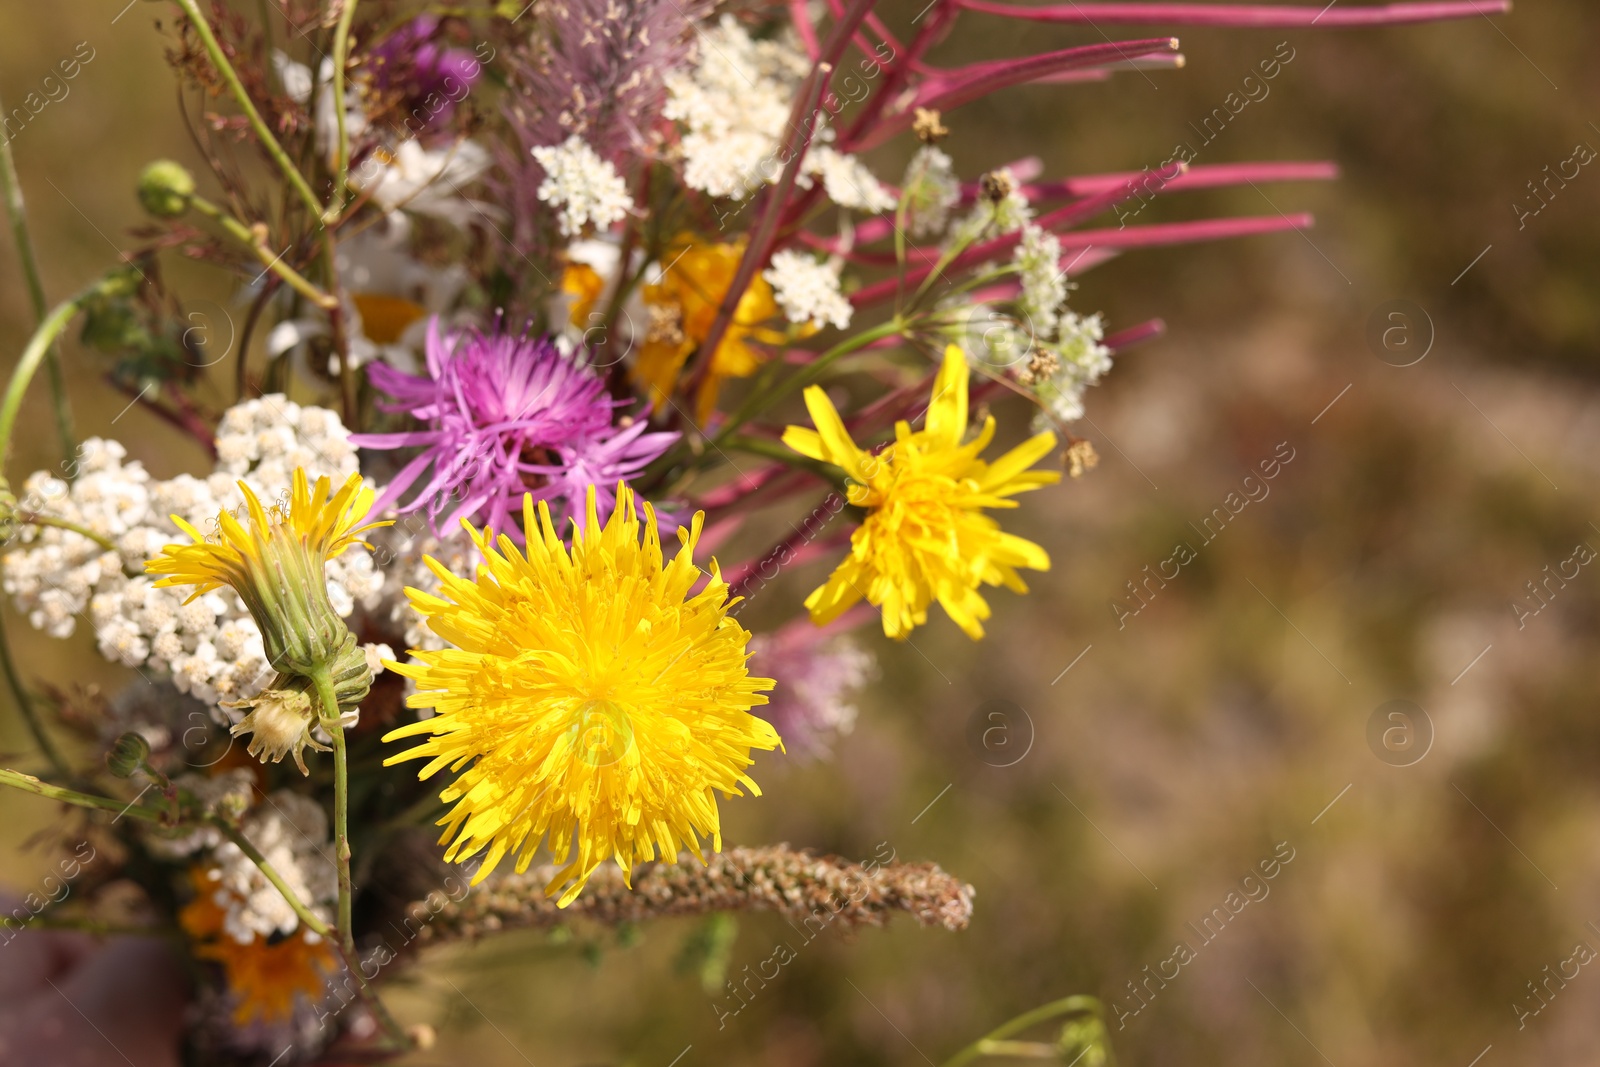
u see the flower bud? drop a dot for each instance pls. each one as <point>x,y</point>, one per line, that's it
<point>165,188</point>
<point>127,755</point>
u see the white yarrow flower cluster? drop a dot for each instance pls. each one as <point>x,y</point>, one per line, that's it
<point>584,188</point>
<point>291,831</point>
<point>808,290</point>
<point>211,646</point>
<point>734,103</point>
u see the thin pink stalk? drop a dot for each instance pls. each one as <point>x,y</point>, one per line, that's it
<point>1202,176</point>
<point>1264,15</point>
<point>800,17</point>
<point>1172,233</point>
<point>1136,335</point>
<point>966,84</point>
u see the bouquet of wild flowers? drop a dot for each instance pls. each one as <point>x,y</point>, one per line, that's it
<point>531,291</point>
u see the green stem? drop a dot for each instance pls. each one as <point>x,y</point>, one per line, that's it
<point>29,784</point>
<point>88,926</point>
<point>268,258</point>
<point>341,57</point>
<point>341,802</point>
<point>340,939</point>
<point>62,524</point>
<point>306,915</point>
<point>16,210</point>
<point>1078,1005</point>
<point>807,375</point>
<point>30,714</point>
<point>782,453</point>
<point>263,133</point>
<point>28,365</point>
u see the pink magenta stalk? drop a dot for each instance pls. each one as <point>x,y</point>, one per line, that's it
<point>1329,16</point>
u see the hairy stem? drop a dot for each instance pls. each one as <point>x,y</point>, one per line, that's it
<point>28,365</point>
<point>29,784</point>
<point>341,802</point>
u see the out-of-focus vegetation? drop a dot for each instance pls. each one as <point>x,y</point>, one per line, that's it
<point>1222,719</point>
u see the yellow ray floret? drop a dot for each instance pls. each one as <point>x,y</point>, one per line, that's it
<point>926,536</point>
<point>590,697</point>
<point>236,554</point>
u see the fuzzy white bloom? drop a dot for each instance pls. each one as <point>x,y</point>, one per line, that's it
<point>211,647</point>
<point>1083,360</point>
<point>808,291</point>
<point>988,217</point>
<point>847,181</point>
<point>291,831</point>
<point>931,191</point>
<point>1044,284</point>
<point>583,187</point>
<point>734,103</point>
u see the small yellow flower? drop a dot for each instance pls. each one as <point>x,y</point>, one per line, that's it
<point>589,697</point>
<point>688,293</point>
<point>926,536</point>
<point>277,565</point>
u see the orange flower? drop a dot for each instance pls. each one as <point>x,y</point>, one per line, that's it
<point>683,304</point>
<point>263,977</point>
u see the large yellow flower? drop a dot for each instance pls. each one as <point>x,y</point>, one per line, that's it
<point>926,537</point>
<point>595,699</point>
<point>683,304</point>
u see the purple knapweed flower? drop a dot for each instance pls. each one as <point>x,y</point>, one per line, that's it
<point>506,414</point>
<point>818,671</point>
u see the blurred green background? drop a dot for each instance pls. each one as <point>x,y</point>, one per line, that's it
<point>1226,716</point>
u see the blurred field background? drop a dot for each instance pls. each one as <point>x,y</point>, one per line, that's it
<point>1226,716</point>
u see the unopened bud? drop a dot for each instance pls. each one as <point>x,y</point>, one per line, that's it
<point>165,188</point>
<point>127,755</point>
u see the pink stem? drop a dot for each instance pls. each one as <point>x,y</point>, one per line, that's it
<point>966,84</point>
<point>1172,233</point>
<point>1329,17</point>
<point>1136,335</point>
<point>801,18</point>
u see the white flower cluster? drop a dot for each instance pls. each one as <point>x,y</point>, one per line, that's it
<point>807,290</point>
<point>583,187</point>
<point>734,103</point>
<point>845,179</point>
<point>931,191</point>
<point>291,831</point>
<point>211,646</point>
<point>1081,362</point>
<point>1007,214</point>
<point>1044,284</point>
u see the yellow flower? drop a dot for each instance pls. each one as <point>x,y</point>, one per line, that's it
<point>262,976</point>
<point>584,285</point>
<point>277,566</point>
<point>683,304</point>
<point>596,700</point>
<point>925,537</point>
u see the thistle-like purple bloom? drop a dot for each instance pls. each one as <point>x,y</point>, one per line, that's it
<point>506,414</point>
